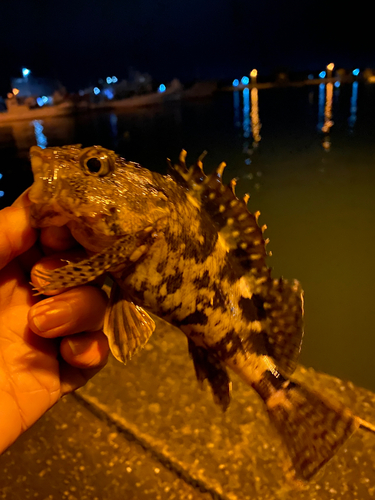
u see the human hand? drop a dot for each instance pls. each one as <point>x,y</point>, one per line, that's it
<point>37,367</point>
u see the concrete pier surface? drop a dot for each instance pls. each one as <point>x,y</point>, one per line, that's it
<point>147,431</point>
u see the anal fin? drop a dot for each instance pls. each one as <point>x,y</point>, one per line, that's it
<point>207,366</point>
<point>127,326</point>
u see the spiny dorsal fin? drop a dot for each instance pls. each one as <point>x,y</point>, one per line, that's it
<point>189,177</point>
<point>236,225</point>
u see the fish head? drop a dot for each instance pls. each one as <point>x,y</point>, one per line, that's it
<point>93,191</point>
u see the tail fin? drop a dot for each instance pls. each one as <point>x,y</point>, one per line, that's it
<point>311,427</point>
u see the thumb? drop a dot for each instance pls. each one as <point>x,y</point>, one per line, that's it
<point>16,234</point>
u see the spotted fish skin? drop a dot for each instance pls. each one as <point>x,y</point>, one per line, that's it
<point>185,248</point>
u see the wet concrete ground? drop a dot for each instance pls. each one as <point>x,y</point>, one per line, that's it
<point>146,431</point>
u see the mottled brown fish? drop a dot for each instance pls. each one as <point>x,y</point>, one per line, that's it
<point>185,248</point>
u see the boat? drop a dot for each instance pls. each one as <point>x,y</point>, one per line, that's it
<point>24,112</point>
<point>172,92</point>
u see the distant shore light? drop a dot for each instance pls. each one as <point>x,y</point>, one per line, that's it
<point>254,73</point>
<point>15,91</point>
<point>1,193</point>
<point>235,82</point>
<point>356,72</point>
<point>25,72</point>
<point>108,80</point>
<point>330,66</point>
<point>96,90</point>
<point>114,79</point>
<point>245,80</point>
<point>322,74</point>
<point>310,77</point>
<point>337,84</point>
<point>162,88</point>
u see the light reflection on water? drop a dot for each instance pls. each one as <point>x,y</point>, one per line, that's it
<point>41,139</point>
<point>353,106</point>
<point>317,201</point>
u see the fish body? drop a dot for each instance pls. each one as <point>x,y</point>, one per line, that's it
<point>185,248</point>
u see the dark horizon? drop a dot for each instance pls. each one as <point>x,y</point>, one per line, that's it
<point>82,41</point>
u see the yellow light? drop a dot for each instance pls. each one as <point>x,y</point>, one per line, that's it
<point>254,115</point>
<point>330,66</point>
<point>10,95</point>
<point>15,91</point>
<point>254,73</point>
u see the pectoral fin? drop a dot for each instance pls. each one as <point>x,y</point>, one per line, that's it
<point>124,252</point>
<point>127,326</point>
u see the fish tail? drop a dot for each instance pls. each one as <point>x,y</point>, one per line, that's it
<point>311,427</point>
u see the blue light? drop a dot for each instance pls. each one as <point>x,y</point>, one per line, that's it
<point>44,99</point>
<point>310,77</point>
<point>246,124</point>
<point>41,139</point>
<point>108,93</point>
<point>1,176</point>
<point>114,79</point>
<point>162,88</point>
<point>353,106</point>
<point>40,101</point>
<point>236,108</point>
<point>235,82</point>
<point>96,90</point>
<point>108,80</point>
<point>25,72</point>
<point>1,193</point>
<point>322,74</point>
<point>337,84</point>
<point>245,80</point>
<point>322,89</point>
<point>356,72</point>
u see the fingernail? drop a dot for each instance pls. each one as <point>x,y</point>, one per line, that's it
<point>79,346</point>
<point>50,314</point>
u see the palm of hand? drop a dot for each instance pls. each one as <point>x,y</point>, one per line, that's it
<point>36,366</point>
<point>29,368</point>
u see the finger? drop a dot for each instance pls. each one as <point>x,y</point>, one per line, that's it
<point>28,259</point>
<point>23,199</point>
<point>52,262</point>
<point>17,235</point>
<point>56,239</point>
<point>85,350</point>
<point>76,310</point>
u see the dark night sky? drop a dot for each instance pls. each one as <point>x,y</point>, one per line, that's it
<point>83,40</point>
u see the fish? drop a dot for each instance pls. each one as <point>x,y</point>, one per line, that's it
<point>185,248</point>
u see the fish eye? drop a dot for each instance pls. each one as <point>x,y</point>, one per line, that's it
<point>94,165</point>
<point>97,161</point>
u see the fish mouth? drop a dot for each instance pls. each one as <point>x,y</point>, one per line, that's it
<point>45,211</point>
